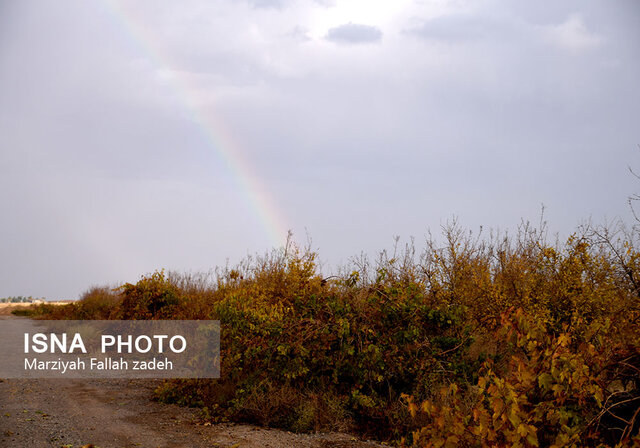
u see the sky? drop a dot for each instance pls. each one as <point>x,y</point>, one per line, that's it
<point>150,134</point>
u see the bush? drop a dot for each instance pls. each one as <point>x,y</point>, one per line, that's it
<point>549,392</point>
<point>99,302</point>
<point>152,297</point>
<point>492,341</point>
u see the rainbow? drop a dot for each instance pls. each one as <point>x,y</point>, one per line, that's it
<point>211,127</point>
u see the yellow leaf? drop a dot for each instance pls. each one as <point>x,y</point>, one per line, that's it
<point>532,438</point>
<point>522,430</point>
<point>413,408</point>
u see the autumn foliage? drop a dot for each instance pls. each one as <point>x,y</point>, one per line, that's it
<point>474,341</point>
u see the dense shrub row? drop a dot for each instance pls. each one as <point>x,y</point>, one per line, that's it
<point>478,341</point>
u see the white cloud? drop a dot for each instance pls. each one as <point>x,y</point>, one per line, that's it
<point>572,35</point>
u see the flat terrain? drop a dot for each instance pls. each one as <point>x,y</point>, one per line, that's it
<point>120,413</point>
<point>6,308</point>
<point>38,413</point>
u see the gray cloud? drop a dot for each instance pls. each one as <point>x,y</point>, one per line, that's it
<point>352,33</point>
<point>122,144</point>
<point>266,4</point>
<point>461,27</point>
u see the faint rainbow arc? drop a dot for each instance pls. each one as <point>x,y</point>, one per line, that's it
<point>213,131</point>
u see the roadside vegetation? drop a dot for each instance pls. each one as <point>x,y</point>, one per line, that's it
<point>468,340</point>
<point>20,299</point>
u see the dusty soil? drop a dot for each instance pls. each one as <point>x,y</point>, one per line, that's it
<point>38,413</point>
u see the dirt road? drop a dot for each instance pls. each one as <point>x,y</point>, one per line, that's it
<point>120,413</point>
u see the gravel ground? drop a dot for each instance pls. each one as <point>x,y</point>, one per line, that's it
<point>120,413</point>
<point>73,413</point>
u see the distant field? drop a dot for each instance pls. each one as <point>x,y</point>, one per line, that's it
<point>7,308</point>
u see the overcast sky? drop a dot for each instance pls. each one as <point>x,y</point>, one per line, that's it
<point>152,134</point>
